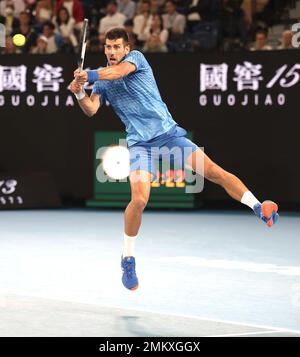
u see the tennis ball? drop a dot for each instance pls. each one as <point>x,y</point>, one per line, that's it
<point>19,40</point>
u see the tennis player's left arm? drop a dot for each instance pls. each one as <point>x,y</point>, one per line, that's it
<point>109,73</point>
<point>116,72</point>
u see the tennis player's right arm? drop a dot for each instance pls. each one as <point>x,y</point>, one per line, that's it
<point>89,105</point>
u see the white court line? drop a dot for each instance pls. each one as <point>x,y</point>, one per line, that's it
<point>265,327</point>
<point>275,329</point>
<point>225,264</point>
<point>243,334</point>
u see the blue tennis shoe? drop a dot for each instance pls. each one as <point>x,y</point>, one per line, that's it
<point>267,211</point>
<point>129,278</point>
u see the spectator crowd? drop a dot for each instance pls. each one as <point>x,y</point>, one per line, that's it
<point>153,25</point>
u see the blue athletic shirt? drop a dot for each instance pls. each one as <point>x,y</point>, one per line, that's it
<point>136,100</point>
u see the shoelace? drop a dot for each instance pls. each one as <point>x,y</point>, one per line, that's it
<point>129,268</point>
<point>261,216</point>
<point>274,217</point>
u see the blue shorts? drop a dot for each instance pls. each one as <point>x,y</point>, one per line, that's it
<point>171,148</point>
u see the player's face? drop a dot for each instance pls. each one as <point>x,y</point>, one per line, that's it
<point>115,50</point>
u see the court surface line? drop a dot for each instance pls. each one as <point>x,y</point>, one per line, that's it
<point>244,324</point>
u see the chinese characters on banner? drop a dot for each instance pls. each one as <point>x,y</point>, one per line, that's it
<point>248,77</point>
<point>13,78</point>
<point>229,84</point>
<point>47,78</point>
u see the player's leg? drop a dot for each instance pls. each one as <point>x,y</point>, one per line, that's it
<point>214,173</point>
<point>140,183</point>
<point>267,211</point>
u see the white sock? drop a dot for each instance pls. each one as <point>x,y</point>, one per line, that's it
<point>249,199</point>
<point>129,245</point>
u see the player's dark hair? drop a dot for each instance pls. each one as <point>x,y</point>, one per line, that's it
<point>116,33</point>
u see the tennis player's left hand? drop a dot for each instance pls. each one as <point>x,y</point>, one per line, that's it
<point>75,87</point>
<point>80,76</point>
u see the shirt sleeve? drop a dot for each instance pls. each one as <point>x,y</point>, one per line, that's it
<point>137,58</point>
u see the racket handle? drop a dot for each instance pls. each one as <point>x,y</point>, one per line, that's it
<point>80,65</point>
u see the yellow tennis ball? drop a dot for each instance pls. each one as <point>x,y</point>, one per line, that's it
<point>19,40</point>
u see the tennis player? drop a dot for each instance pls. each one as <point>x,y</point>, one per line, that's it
<point>129,85</point>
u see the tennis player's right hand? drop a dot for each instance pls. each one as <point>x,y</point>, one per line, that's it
<point>75,87</point>
<point>80,76</point>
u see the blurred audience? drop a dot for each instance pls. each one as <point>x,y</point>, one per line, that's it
<point>44,10</point>
<point>143,20</point>
<point>156,36</point>
<point>286,41</point>
<point>27,30</point>
<point>253,9</point>
<point>55,41</point>
<point>172,20</point>
<point>52,26</point>
<point>9,20</point>
<point>261,39</point>
<point>18,6</point>
<point>133,40</point>
<point>113,18</point>
<point>10,48</point>
<point>127,8</point>
<point>204,10</point>
<point>94,45</point>
<point>65,25</point>
<point>75,10</point>
<point>41,45</point>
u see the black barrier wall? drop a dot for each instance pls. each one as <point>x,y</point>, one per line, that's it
<point>241,107</point>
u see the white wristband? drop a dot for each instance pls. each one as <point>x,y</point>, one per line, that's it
<point>79,95</point>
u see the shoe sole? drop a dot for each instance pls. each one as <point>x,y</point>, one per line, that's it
<point>268,208</point>
<point>134,288</point>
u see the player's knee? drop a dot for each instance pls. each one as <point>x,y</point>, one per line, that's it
<point>139,201</point>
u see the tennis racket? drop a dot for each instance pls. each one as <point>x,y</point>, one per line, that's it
<point>83,44</point>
